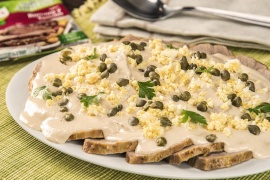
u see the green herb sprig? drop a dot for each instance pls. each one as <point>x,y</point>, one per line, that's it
<point>262,108</point>
<point>170,46</point>
<point>208,70</point>
<point>195,117</point>
<point>146,89</point>
<point>94,55</point>
<point>45,93</point>
<point>88,100</point>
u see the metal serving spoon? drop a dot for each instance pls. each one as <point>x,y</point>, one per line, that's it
<point>152,10</point>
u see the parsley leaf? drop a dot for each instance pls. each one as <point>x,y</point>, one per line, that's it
<point>262,108</point>
<point>170,46</point>
<point>94,55</point>
<point>45,93</point>
<point>88,100</point>
<point>208,70</point>
<point>146,89</point>
<point>195,117</point>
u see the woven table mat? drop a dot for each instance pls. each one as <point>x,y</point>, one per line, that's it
<point>24,157</point>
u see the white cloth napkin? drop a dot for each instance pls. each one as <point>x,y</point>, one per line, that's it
<point>188,27</point>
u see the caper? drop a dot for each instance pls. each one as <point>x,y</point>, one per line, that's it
<point>126,42</point>
<point>211,137</point>
<point>146,73</point>
<point>237,102</point>
<point>105,74</point>
<point>146,108</point>
<point>102,67</point>
<point>164,122</point>
<point>62,61</point>
<point>192,66</point>
<point>156,82</point>
<point>57,82</point>
<point>141,70</point>
<point>122,82</point>
<point>138,58</point>
<point>81,95</point>
<point>63,102</point>
<point>69,117</point>
<point>184,59</point>
<point>151,67</point>
<point>57,93</point>
<point>161,141</point>
<point>133,121</point>
<point>140,47</point>
<point>231,96</point>
<point>68,91</point>
<point>198,55</point>
<point>185,96</point>
<point>133,46</point>
<point>157,105</point>
<point>243,77</point>
<point>175,98</point>
<point>153,75</point>
<point>254,129</point>
<point>148,70</point>
<point>119,107</point>
<point>63,109</point>
<point>112,112</point>
<point>203,55</point>
<point>202,106</point>
<point>65,53</point>
<point>143,44</point>
<point>215,72</point>
<point>184,65</point>
<point>251,86</point>
<point>112,68</point>
<point>198,70</point>
<point>225,75</point>
<point>103,57</point>
<point>246,116</point>
<point>141,103</point>
<point>65,56</point>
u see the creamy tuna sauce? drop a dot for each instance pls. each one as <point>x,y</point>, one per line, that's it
<point>83,76</point>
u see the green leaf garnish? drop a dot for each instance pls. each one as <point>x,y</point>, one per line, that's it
<point>170,46</point>
<point>94,55</point>
<point>195,117</point>
<point>45,93</point>
<point>208,70</point>
<point>262,108</point>
<point>146,89</point>
<point>88,100</point>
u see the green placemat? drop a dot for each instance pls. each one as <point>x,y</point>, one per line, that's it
<point>24,157</point>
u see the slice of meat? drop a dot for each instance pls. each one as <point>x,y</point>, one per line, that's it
<point>195,150</point>
<point>90,134</point>
<point>133,158</point>
<point>219,160</point>
<point>33,76</point>
<point>26,35</point>
<point>101,146</point>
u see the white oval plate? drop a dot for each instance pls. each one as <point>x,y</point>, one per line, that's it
<point>15,103</point>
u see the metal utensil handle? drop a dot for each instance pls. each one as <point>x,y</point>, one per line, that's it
<point>243,17</point>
